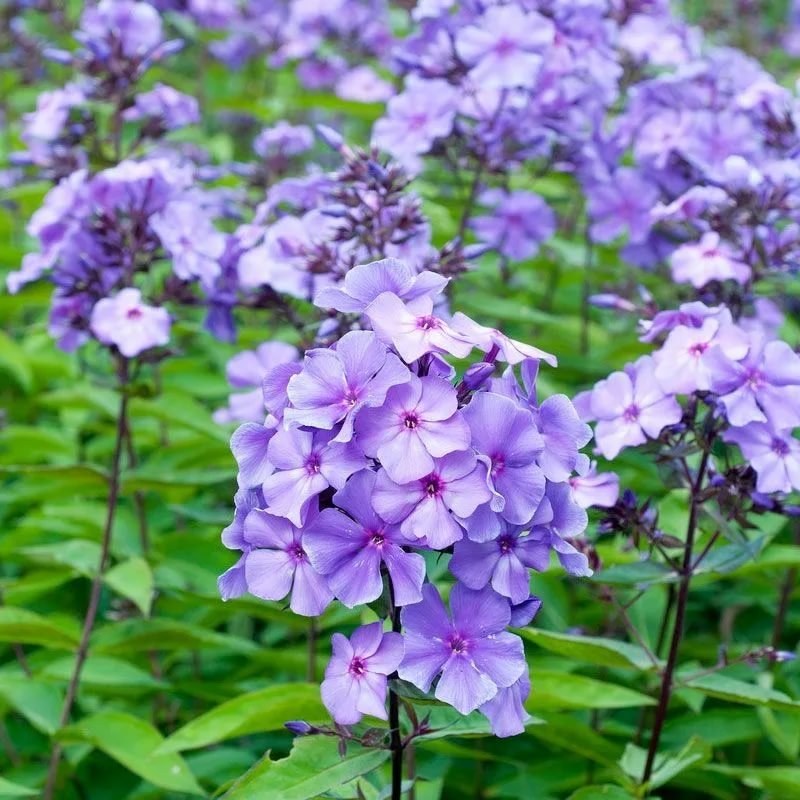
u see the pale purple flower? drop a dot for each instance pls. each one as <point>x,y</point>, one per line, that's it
<point>247,370</point>
<point>233,583</point>
<point>277,564</point>
<point>598,489</point>
<point>629,407</point>
<point>494,341</point>
<point>356,676</point>
<point>363,85</point>
<point>558,519</point>
<point>773,454</point>
<point>423,507</point>
<point>471,650</point>
<point>136,26</point>
<point>503,562</point>
<point>418,421</point>
<point>283,139</point>
<point>621,203</point>
<point>708,260</point>
<point>763,387</point>
<point>507,439</point>
<point>506,710</point>
<point>335,384</point>
<point>518,223</point>
<point>173,109</point>
<point>306,464</point>
<point>504,46</point>
<point>422,113</point>
<point>350,550</point>
<point>365,282</point>
<point>413,329</point>
<point>125,321</point>
<point>189,236</point>
<point>686,361</point>
<point>563,434</point>
<point>249,445</point>
<point>47,122</point>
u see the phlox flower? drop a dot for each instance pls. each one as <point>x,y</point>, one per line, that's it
<point>773,454</point>
<point>125,321</point>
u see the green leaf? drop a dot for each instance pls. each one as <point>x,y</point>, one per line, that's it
<point>555,690</point>
<point>24,627</point>
<point>606,790</point>
<point>133,579</point>
<point>40,703</point>
<point>313,767</point>
<point>263,710</point>
<point>567,732</point>
<point>132,741</point>
<point>637,573</point>
<point>9,789</point>
<point>666,765</point>
<point>780,782</point>
<point>718,727</point>
<point>724,688</point>
<point>590,649</point>
<point>14,363</point>
<point>103,672</point>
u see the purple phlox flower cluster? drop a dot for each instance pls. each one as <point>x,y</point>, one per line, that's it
<point>119,41</point>
<point>748,376</point>
<point>98,234</point>
<point>372,451</point>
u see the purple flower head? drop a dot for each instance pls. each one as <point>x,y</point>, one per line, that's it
<point>622,203</point>
<point>519,223</point>
<point>418,421</point>
<point>47,122</point>
<point>508,441</point>
<point>366,282</point>
<point>233,583</point>
<point>763,387</point>
<point>504,46</point>
<point>773,454</point>
<point>277,564</point>
<point>423,507</point>
<point>350,550</point>
<point>195,245</point>
<point>423,112</point>
<point>687,360</point>
<point>283,139</point>
<point>334,385</point>
<point>506,710</point>
<point>125,321</point>
<point>629,407</point>
<point>306,463</point>
<point>470,650</point>
<point>135,26</point>
<point>413,329</point>
<point>598,489</point>
<point>356,676</point>
<point>247,370</point>
<point>169,108</point>
<point>708,260</point>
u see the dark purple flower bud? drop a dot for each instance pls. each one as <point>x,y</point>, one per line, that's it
<point>57,55</point>
<point>300,728</point>
<point>477,374</point>
<point>609,300</point>
<point>330,137</point>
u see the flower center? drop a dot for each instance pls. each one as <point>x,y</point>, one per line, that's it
<point>755,380</point>
<point>350,397</point>
<point>417,121</point>
<point>134,313</point>
<point>313,464</point>
<point>358,667</point>
<point>780,448</point>
<point>698,348</point>
<point>376,538</point>
<point>505,47</point>
<point>410,420</point>
<point>296,552</point>
<point>428,323</point>
<point>506,544</point>
<point>631,413</point>
<point>433,485</point>
<point>498,463</point>
<point>458,644</point>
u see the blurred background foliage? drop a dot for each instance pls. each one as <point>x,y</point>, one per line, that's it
<point>182,694</point>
